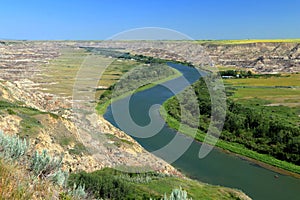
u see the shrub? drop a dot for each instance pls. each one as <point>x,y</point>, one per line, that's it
<point>102,184</point>
<point>78,192</point>
<point>136,179</point>
<point>177,194</point>
<point>12,147</point>
<point>60,177</point>
<point>43,165</point>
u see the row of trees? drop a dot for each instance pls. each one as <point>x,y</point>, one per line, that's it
<point>254,125</point>
<point>136,78</point>
<point>245,74</point>
<point>116,53</point>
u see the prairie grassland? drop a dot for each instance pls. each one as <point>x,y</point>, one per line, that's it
<point>59,76</point>
<point>246,41</point>
<point>220,68</point>
<point>284,80</point>
<point>114,72</point>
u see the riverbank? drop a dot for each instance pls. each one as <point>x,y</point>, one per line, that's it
<point>265,161</point>
<point>101,108</point>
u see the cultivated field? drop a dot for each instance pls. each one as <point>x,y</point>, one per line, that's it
<point>283,90</point>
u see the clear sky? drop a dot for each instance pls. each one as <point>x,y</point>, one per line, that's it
<point>100,19</point>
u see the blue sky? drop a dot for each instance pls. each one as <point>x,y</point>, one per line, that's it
<point>100,19</point>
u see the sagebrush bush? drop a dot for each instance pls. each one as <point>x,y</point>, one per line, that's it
<point>46,170</point>
<point>12,147</point>
<point>77,192</point>
<point>60,177</point>
<point>136,179</point>
<point>177,194</point>
<point>43,166</point>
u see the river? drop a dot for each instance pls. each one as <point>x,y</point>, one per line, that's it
<point>218,168</point>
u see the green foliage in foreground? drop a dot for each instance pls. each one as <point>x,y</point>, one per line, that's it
<point>113,184</point>
<point>12,147</point>
<point>43,166</point>
<point>269,134</point>
<point>177,194</point>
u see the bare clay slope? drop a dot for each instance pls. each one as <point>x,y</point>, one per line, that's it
<point>261,57</point>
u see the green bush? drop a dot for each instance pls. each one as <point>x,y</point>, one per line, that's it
<point>177,194</point>
<point>43,165</point>
<point>77,192</point>
<point>60,177</point>
<point>12,147</point>
<point>102,185</point>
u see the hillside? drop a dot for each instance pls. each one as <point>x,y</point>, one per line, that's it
<point>261,57</point>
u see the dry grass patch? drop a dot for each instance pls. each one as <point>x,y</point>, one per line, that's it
<point>17,184</point>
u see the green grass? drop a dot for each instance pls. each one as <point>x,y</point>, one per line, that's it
<point>283,90</point>
<point>195,190</point>
<point>117,141</point>
<point>30,124</point>
<point>59,76</point>
<point>234,147</point>
<point>266,93</point>
<point>78,149</point>
<point>150,184</point>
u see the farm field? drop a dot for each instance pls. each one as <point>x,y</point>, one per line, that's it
<point>283,90</point>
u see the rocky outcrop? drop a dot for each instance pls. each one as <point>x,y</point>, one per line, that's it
<point>102,146</point>
<point>259,57</point>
